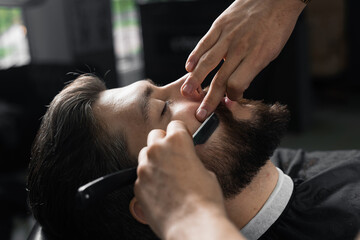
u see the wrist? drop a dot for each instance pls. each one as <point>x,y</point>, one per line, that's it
<point>293,6</point>
<point>207,221</point>
<point>197,223</point>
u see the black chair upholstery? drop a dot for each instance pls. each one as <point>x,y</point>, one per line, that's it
<point>37,233</point>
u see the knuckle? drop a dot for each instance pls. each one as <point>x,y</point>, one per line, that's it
<point>205,42</point>
<point>216,26</point>
<point>219,82</point>
<point>232,85</point>
<point>230,37</point>
<point>259,58</point>
<point>154,151</point>
<point>257,62</point>
<point>142,170</point>
<point>193,79</point>
<point>235,88</point>
<point>259,65</point>
<point>207,59</point>
<point>217,23</point>
<point>197,76</point>
<point>194,56</point>
<point>222,21</point>
<point>173,140</point>
<point>211,102</point>
<point>242,47</point>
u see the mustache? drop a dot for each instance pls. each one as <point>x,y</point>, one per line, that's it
<point>224,113</point>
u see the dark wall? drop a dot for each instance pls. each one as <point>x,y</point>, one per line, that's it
<point>353,37</point>
<point>170,31</point>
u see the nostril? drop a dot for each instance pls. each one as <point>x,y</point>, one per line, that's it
<point>202,91</point>
<point>199,93</point>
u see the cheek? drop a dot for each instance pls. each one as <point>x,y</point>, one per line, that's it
<point>241,112</point>
<point>186,113</point>
<point>137,138</point>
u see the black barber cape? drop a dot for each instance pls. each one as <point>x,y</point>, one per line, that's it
<point>325,203</point>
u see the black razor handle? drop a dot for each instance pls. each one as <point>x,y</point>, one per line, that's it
<point>206,129</point>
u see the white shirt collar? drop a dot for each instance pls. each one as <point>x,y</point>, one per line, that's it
<point>271,210</point>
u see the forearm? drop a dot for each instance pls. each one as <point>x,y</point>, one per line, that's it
<point>286,10</point>
<point>204,223</point>
<point>298,5</point>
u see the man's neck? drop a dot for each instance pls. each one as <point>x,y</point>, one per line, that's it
<point>248,203</point>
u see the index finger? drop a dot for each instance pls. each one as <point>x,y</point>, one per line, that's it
<point>206,64</point>
<point>205,43</point>
<point>212,99</point>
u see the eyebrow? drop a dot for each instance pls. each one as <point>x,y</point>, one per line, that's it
<point>145,99</point>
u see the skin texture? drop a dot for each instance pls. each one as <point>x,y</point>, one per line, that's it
<point>248,35</point>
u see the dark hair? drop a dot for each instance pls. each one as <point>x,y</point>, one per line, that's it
<point>72,148</point>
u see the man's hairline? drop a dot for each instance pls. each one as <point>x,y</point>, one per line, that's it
<point>104,128</point>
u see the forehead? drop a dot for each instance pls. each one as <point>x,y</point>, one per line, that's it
<point>118,109</point>
<point>120,98</point>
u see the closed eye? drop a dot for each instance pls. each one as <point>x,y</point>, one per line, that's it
<point>166,106</point>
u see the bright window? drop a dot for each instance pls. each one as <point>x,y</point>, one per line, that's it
<point>127,39</point>
<point>14,47</point>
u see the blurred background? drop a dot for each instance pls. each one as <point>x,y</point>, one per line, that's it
<point>122,41</point>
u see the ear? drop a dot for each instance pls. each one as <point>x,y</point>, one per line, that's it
<point>136,211</point>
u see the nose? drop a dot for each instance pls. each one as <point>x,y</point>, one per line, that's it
<point>174,89</point>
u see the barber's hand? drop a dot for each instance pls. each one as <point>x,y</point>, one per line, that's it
<point>173,185</point>
<point>248,35</point>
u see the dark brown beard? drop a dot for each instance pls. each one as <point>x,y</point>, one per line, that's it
<point>244,146</point>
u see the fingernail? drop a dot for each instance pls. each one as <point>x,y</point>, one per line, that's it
<point>189,66</point>
<point>201,113</point>
<point>188,89</point>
